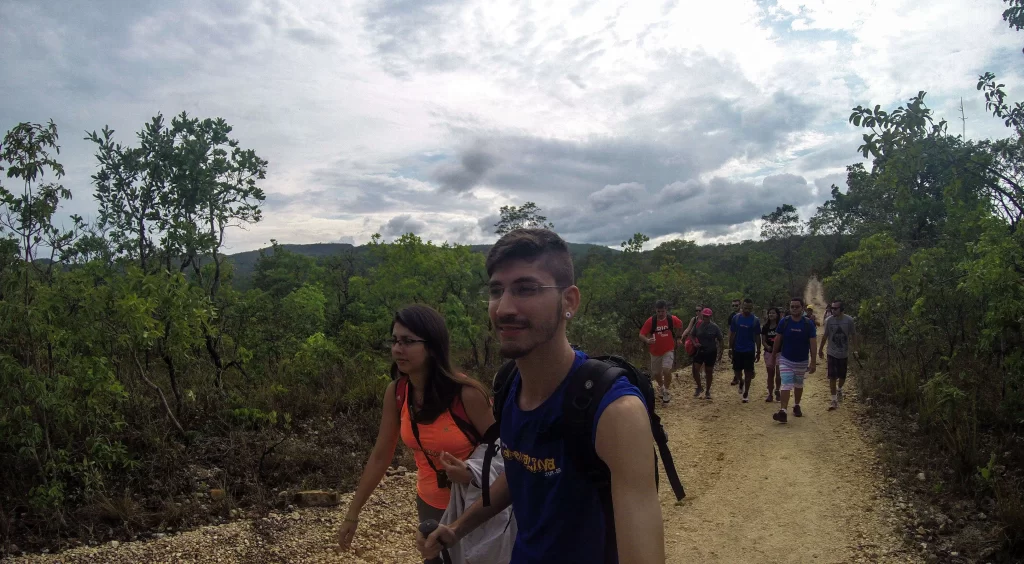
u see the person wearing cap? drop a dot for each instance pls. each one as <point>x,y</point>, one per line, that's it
<point>809,314</point>
<point>710,346</point>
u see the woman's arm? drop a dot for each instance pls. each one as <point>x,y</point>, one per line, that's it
<point>689,327</point>
<point>380,458</point>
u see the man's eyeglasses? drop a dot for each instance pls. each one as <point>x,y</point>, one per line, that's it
<point>522,290</point>
<point>404,342</point>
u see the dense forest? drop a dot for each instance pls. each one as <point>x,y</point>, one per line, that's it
<point>140,365</point>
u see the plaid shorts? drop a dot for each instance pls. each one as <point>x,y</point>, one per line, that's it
<point>792,373</point>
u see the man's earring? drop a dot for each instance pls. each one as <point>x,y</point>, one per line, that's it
<point>568,314</point>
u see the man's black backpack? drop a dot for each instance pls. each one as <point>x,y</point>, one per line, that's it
<point>586,386</point>
<point>671,324</point>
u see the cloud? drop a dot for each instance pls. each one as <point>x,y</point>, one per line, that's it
<point>473,166</point>
<point>666,118</point>
<point>402,224</point>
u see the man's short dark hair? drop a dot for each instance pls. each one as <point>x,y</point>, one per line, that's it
<point>735,300</point>
<point>796,299</point>
<point>748,301</point>
<point>532,245</point>
<point>660,304</point>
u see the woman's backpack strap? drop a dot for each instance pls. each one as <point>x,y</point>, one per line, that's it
<point>401,392</point>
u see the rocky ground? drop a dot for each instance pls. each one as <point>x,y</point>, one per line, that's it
<point>809,491</point>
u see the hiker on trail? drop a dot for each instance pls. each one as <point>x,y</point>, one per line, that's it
<point>745,345</point>
<point>690,343</point>
<point>659,332</point>
<point>440,414</point>
<point>697,316</point>
<point>710,346</point>
<point>735,311</point>
<point>809,313</point>
<point>828,313</point>
<point>561,513</point>
<point>841,336</point>
<point>795,339</point>
<point>771,358</point>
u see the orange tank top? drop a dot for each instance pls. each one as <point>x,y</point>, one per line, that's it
<point>441,435</point>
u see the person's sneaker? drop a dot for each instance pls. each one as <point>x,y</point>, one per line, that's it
<point>746,399</point>
<point>697,392</point>
<point>833,405</point>
<point>797,412</point>
<point>707,395</point>
<point>839,394</point>
<point>734,382</point>
<point>770,398</point>
<point>780,416</point>
<point>778,395</point>
<point>665,396</point>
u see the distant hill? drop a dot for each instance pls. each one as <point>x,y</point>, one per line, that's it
<point>245,263</point>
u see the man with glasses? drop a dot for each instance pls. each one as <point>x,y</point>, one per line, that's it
<point>560,510</point>
<point>841,336</point>
<point>796,339</point>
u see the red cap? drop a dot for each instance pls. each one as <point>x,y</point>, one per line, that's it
<point>707,311</point>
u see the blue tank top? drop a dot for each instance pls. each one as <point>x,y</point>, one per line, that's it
<point>557,509</point>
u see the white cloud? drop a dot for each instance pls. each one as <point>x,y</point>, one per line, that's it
<point>443,111</point>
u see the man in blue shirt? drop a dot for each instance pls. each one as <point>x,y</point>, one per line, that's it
<point>796,338</point>
<point>557,507</point>
<point>745,346</point>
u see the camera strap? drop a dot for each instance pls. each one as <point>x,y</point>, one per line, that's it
<point>416,430</point>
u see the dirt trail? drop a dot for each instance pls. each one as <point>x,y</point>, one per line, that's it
<point>814,295</point>
<point>758,491</point>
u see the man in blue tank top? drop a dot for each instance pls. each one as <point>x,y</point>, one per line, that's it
<point>557,508</point>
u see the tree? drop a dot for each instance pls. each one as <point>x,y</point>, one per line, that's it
<point>525,216</point>
<point>29,150</point>
<point>635,244</point>
<point>783,225</point>
<point>186,183</point>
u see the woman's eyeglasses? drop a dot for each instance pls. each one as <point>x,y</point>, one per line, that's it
<point>404,342</point>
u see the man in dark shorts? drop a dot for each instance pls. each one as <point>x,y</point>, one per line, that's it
<point>735,311</point>
<point>710,346</point>
<point>841,336</point>
<point>745,343</point>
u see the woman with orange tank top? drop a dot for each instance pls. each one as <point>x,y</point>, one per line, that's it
<point>438,413</point>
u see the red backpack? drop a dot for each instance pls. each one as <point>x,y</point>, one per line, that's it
<point>690,344</point>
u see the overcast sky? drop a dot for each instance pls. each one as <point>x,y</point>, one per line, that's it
<point>672,118</point>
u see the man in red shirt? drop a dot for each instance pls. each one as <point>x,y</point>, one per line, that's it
<point>661,339</point>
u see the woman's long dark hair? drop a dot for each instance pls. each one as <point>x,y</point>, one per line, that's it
<point>442,382</point>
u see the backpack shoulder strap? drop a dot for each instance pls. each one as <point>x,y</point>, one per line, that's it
<point>653,320</point>
<point>462,421</point>
<point>401,392</point>
<point>586,387</point>
<point>501,386</point>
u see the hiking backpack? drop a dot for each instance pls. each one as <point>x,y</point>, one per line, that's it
<point>671,324</point>
<point>585,388</point>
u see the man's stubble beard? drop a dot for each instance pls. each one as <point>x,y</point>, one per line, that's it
<point>547,330</point>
